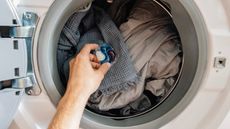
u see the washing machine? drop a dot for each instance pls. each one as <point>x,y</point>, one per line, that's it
<point>31,87</point>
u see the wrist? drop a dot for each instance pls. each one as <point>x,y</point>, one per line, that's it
<point>77,91</point>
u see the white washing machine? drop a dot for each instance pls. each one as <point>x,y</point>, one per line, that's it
<point>29,31</point>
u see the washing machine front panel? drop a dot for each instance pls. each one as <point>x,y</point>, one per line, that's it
<point>191,24</point>
<point>199,99</point>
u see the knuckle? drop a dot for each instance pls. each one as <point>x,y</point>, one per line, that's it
<point>79,56</point>
<point>87,45</point>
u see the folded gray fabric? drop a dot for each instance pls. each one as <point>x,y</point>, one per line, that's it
<point>154,47</point>
<point>141,104</point>
<point>94,26</point>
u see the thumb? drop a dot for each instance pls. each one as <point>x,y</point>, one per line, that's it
<point>104,68</point>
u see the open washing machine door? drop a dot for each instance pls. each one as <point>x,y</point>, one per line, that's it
<point>206,54</point>
<point>16,76</point>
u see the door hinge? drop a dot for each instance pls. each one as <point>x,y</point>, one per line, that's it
<point>21,38</point>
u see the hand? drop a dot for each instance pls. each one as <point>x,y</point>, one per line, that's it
<point>85,77</point>
<point>86,73</point>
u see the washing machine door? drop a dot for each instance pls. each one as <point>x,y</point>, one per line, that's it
<point>16,73</point>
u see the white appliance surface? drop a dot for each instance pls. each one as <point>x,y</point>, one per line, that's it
<point>35,112</point>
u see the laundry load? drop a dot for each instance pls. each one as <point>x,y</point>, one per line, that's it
<point>152,47</point>
<point>95,26</point>
<point>154,51</point>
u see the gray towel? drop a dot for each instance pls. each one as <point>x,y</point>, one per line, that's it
<point>93,26</point>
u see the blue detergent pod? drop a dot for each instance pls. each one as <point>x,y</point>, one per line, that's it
<point>105,53</point>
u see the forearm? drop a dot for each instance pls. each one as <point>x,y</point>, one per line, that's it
<point>85,77</point>
<point>70,110</point>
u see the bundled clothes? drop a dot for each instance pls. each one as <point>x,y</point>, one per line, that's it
<point>152,48</point>
<point>95,26</point>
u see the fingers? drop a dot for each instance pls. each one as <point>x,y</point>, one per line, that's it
<point>88,47</point>
<point>93,58</point>
<point>104,68</point>
<point>95,65</point>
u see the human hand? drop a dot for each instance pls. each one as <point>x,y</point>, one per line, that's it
<point>86,73</point>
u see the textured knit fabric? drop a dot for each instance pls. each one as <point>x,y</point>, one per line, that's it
<point>93,26</point>
<point>153,45</point>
